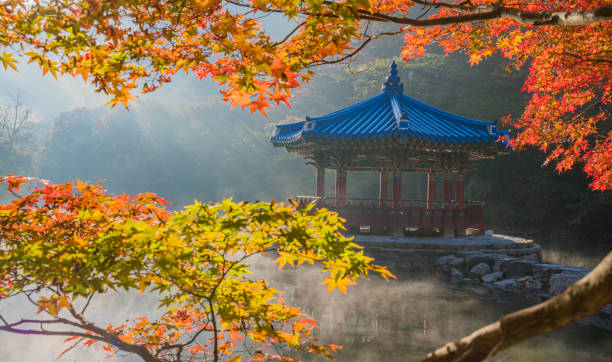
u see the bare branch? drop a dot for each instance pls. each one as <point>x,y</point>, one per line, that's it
<point>52,333</point>
<point>290,33</point>
<point>350,55</point>
<point>87,303</point>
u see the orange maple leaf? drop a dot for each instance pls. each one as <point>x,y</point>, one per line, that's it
<point>239,98</point>
<point>259,105</point>
<point>280,96</point>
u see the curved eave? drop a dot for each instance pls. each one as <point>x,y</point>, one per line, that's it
<point>302,137</point>
<point>381,116</point>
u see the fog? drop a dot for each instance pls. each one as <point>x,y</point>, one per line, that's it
<point>376,320</point>
<point>404,319</point>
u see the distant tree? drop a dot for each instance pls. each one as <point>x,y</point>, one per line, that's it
<point>61,246</point>
<point>15,119</point>
<point>120,46</point>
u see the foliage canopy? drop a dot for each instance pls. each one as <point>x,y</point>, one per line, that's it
<point>63,245</point>
<point>124,45</point>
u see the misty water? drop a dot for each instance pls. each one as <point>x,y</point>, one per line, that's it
<point>404,320</point>
<point>398,320</point>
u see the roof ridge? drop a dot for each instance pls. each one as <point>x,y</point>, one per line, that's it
<point>448,114</point>
<point>340,112</point>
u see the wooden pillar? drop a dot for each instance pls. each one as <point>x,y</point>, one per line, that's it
<point>459,189</point>
<point>459,198</point>
<point>397,228</point>
<point>321,181</point>
<point>449,215</point>
<point>431,189</point>
<point>382,191</point>
<point>340,187</point>
<point>448,191</point>
<point>397,188</point>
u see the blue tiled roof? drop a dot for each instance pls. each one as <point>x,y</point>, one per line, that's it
<point>389,114</point>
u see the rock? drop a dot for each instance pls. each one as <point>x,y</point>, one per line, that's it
<point>518,269</point>
<point>501,262</point>
<point>607,311</point>
<point>505,284</point>
<point>543,272</point>
<point>479,270</point>
<point>525,285</point>
<point>529,284</point>
<point>492,277</point>
<point>478,259</point>
<point>531,253</point>
<point>456,274</point>
<point>451,260</point>
<point>532,257</point>
<point>559,282</point>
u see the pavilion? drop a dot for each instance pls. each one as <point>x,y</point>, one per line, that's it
<point>394,133</point>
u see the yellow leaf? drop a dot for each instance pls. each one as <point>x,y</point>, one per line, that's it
<point>343,283</point>
<point>331,283</point>
<point>8,61</point>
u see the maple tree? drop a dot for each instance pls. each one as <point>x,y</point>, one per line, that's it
<point>61,246</point>
<point>121,46</point>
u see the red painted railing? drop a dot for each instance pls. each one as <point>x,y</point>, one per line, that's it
<point>360,212</point>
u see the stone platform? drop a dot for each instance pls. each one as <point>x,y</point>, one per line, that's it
<point>412,254</point>
<point>472,242</point>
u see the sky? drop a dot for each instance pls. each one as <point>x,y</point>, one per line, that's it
<point>48,97</point>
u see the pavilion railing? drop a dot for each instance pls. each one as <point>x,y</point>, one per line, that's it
<point>377,213</point>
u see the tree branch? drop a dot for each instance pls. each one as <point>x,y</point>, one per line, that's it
<point>477,13</point>
<point>586,297</point>
<point>562,18</point>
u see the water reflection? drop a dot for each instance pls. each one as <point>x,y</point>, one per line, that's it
<point>404,320</point>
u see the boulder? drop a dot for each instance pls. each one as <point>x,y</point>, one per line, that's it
<point>478,259</point>
<point>451,260</point>
<point>502,261</point>
<point>479,270</point>
<point>529,284</point>
<point>505,284</point>
<point>456,274</point>
<point>491,277</point>
<point>559,282</point>
<point>543,272</point>
<point>525,285</point>
<point>518,269</point>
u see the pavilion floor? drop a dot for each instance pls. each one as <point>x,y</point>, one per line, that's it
<point>405,217</point>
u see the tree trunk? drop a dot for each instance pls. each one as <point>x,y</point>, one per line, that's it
<point>586,297</point>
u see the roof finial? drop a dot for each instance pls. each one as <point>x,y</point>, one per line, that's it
<point>393,84</point>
